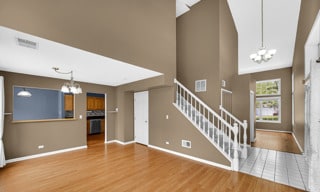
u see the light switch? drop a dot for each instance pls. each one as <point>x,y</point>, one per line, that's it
<point>167,116</point>
<point>80,116</point>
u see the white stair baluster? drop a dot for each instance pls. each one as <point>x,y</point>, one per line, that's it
<point>244,153</point>
<point>215,127</point>
<point>229,142</point>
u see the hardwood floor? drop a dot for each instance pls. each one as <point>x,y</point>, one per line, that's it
<point>133,167</point>
<point>95,139</point>
<point>276,141</point>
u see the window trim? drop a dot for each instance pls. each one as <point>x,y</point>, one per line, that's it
<point>263,81</point>
<point>270,98</point>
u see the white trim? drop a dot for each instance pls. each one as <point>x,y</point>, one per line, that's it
<point>120,142</point>
<point>225,90</point>
<point>210,140</point>
<point>270,80</point>
<point>191,157</point>
<point>221,94</point>
<point>105,117</point>
<point>45,154</point>
<point>296,140</point>
<point>260,99</point>
<point>271,130</point>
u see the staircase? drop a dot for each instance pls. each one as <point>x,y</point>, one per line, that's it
<point>224,131</point>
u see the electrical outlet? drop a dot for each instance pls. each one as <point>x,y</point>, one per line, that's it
<point>167,142</point>
<point>40,146</point>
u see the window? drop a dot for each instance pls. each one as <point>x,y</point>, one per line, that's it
<point>268,100</point>
<point>268,87</point>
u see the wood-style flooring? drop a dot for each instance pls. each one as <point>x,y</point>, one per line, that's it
<point>276,141</point>
<point>133,167</point>
<point>95,139</point>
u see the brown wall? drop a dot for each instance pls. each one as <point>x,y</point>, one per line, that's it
<point>22,139</point>
<point>241,99</point>
<point>176,128</point>
<point>286,98</point>
<point>228,45</point>
<point>308,11</point>
<point>198,50</point>
<point>140,32</point>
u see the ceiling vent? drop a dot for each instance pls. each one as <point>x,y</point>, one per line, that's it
<point>27,43</point>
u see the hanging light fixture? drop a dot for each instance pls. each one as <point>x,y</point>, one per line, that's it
<point>24,93</point>
<point>69,87</point>
<point>263,54</point>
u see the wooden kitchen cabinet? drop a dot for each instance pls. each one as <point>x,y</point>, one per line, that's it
<point>95,103</point>
<point>68,102</point>
<point>102,125</point>
<point>99,103</point>
<point>90,103</point>
<point>88,127</point>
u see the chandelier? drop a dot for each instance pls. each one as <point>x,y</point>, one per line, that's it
<point>262,54</point>
<point>24,93</point>
<point>69,87</point>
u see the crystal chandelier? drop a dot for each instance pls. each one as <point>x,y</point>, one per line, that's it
<point>263,54</point>
<point>69,87</point>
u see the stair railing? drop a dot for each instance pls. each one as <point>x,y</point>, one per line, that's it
<point>184,95</point>
<point>242,136</point>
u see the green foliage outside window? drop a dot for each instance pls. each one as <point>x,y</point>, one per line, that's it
<point>271,87</point>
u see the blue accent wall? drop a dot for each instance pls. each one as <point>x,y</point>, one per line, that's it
<point>43,104</point>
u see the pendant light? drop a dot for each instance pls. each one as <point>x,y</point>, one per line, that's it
<point>69,87</point>
<point>262,54</point>
<point>24,93</point>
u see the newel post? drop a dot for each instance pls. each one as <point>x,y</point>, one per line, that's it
<point>244,153</point>
<point>235,161</point>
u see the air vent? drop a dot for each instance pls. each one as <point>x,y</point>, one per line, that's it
<point>27,43</point>
<point>186,144</point>
<point>201,85</point>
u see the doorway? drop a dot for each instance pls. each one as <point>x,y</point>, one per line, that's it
<point>96,118</point>
<point>141,117</point>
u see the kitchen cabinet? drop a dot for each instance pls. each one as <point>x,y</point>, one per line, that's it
<point>68,102</point>
<point>102,125</point>
<point>95,103</point>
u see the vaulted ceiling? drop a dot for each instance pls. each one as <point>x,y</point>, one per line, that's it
<point>280,28</point>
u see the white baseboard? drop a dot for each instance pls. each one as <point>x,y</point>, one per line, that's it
<point>296,140</point>
<point>191,157</point>
<point>45,154</point>
<point>120,142</point>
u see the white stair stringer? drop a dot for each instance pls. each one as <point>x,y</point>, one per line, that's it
<point>219,132</point>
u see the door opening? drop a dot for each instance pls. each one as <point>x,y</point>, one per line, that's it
<point>96,118</point>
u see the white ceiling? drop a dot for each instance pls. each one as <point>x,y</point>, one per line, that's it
<point>86,66</point>
<point>183,6</point>
<point>280,27</point>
